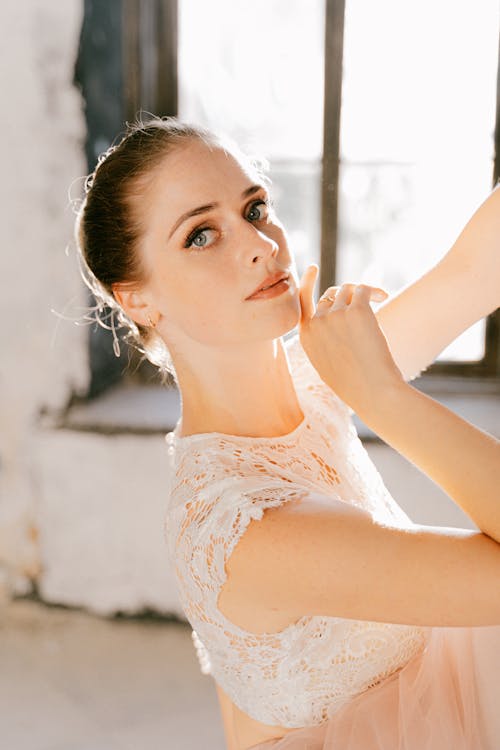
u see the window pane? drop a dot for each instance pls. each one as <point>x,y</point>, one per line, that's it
<point>255,71</point>
<point>417,127</point>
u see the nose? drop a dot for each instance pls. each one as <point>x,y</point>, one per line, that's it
<point>258,245</point>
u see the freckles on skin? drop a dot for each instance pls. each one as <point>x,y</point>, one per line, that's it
<point>214,318</point>
<point>202,292</point>
<point>211,309</point>
<point>194,305</point>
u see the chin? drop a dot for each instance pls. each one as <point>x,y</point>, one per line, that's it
<point>285,320</point>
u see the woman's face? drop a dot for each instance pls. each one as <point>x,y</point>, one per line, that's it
<point>201,268</point>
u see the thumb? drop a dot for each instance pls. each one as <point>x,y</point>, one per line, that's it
<point>306,288</point>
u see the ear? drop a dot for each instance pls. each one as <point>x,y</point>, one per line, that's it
<point>133,302</point>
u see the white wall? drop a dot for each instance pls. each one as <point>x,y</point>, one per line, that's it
<point>43,358</point>
<point>101,521</point>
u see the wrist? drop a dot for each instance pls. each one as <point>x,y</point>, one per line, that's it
<point>388,399</point>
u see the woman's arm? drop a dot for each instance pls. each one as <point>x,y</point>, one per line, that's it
<point>459,457</point>
<point>347,347</point>
<point>422,319</point>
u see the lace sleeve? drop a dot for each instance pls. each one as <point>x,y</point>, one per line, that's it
<point>225,519</point>
<point>209,528</point>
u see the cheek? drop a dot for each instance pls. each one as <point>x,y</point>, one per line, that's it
<point>207,307</point>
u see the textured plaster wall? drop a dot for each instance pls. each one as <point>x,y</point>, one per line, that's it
<point>101,521</point>
<point>76,515</point>
<point>43,358</point>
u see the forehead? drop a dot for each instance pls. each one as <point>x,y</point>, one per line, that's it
<point>197,171</point>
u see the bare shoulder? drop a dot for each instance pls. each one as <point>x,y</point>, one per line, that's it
<point>322,556</point>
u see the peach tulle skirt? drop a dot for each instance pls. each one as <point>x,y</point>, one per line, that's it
<point>447,697</point>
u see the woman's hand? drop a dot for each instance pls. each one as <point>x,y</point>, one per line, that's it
<point>345,343</point>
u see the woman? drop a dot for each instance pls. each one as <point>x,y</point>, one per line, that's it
<point>306,646</point>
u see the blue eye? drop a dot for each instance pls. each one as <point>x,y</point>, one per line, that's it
<point>198,234</point>
<point>198,238</point>
<point>267,204</point>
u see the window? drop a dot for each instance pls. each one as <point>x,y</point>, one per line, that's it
<point>417,139</point>
<point>380,122</point>
<point>126,60</point>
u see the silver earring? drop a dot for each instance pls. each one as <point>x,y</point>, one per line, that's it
<point>116,343</point>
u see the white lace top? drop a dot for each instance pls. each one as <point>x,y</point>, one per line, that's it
<point>303,674</point>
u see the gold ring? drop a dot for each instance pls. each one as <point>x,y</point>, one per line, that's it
<point>328,298</point>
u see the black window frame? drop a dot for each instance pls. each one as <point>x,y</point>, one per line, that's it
<point>489,366</point>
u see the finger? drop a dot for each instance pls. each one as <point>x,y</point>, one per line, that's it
<point>378,294</point>
<point>329,294</point>
<point>306,288</point>
<point>326,301</point>
<point>363,294</point>
<point>346,297</point>
<point>343,297</point>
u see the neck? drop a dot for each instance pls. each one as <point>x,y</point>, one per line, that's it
<point>248,393</point>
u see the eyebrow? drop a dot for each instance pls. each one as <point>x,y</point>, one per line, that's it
<point>209,206</point>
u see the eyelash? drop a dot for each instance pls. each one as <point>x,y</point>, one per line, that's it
<point>199,230</point>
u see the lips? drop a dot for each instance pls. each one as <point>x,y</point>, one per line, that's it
<point>269,281</point>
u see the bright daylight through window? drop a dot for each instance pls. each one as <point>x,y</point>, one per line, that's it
<point>417,122</point>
